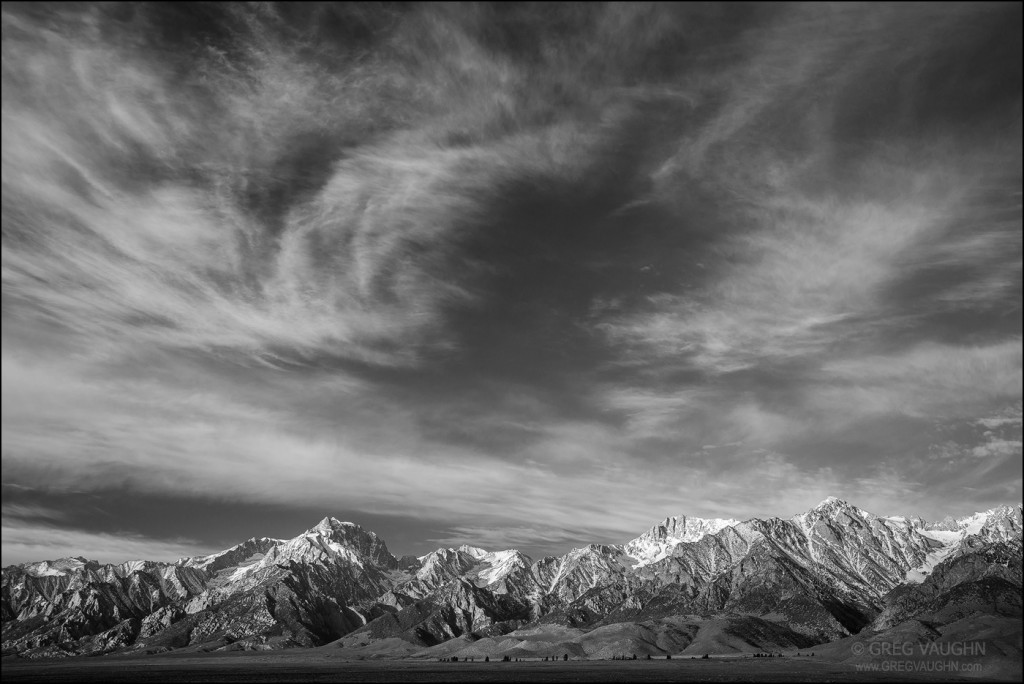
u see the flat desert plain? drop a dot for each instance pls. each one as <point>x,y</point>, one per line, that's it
<point>316,666</point>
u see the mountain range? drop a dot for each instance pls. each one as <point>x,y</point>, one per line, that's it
<point>687,585</point>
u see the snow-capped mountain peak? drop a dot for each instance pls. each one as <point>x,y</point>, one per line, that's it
<point>330,524</point>
<point>329,541</point>
<point>833,504</point>
<point>660,541</point>
<point>835,509</point>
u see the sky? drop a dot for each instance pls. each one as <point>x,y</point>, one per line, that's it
<point>514,275</point>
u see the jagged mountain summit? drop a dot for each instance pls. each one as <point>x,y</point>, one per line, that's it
<point>821,575</point>
<point>658,542</point>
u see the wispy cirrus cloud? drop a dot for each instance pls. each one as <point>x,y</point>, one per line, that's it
<point>830,297</point>
<point>165,260</point>
<point>929,380</point>
<point>439,261</point>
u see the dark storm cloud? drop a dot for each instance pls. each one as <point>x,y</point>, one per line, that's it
<point>556,269</point>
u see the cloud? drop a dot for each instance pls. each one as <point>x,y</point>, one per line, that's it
<point>810,272</point>
<point>1011,416</point>
<point>824,245</point>
<point>930,380</point>
<point>164,261</point>
<point>22,511</point>
<point>64,432</point>
<point>28,542</point>
<point>146,438</point>
<point>998,447</point>
<point>226,240</point>
<point>433,260</point>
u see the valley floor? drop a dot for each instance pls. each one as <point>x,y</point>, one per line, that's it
<point>315,666</point>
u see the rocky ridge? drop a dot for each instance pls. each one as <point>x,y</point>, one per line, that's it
<point>822,575</point>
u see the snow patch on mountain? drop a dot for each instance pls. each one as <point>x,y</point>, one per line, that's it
<point>498,565</point>
<point>473,551</point>
<point>948,541</point>
<point>972,524</point>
